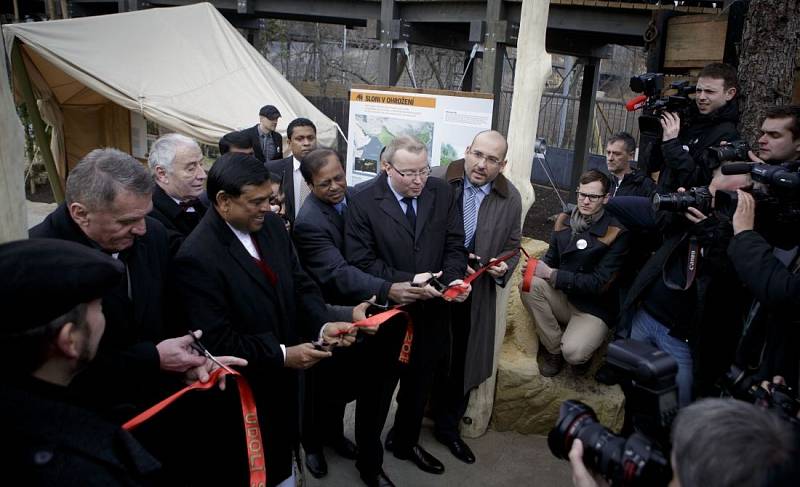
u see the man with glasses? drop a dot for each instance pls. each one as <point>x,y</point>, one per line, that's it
<point>491,208</point>
<point>403,227</point>
<point>572,284</point>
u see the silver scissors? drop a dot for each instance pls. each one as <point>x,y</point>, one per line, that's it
<point>202,350</point>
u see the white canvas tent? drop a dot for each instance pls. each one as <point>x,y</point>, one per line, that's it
<point>185,68</point>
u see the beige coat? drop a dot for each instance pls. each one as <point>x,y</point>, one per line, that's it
<point>497,232</point>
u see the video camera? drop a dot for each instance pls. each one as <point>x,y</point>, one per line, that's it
<point>777,208</point>
<point>647,375</point>
<point>653,102</point>
<point>734,151</point>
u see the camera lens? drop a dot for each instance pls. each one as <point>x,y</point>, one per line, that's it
<point>633,461</point>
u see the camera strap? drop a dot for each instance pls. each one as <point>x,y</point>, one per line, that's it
<point>692,261</point>
<point>255,445</point>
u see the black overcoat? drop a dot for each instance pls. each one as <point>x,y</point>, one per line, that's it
<point>223,292</point>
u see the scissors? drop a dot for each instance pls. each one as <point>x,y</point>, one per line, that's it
<point>198,346</point>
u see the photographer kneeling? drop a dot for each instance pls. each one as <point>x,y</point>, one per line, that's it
<point>685,297</point>
<point>721,443</point>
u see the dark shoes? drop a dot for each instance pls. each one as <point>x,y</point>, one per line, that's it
<point>458,448</point>
<point>580,370</point>
<point>316,464</point>
<point>422,459</point>
<point>344,447</point>
<point>550,364</point>
<point>380,480</point>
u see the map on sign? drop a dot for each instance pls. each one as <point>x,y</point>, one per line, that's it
<point>371,133</point>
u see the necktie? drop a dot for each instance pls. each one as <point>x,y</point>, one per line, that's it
<point>470,214</point>
<point>340,207</point>
<point>411,215</point>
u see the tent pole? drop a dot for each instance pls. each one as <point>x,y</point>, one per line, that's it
<point>42,140</point>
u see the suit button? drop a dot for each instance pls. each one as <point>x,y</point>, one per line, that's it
<point>416,249</point>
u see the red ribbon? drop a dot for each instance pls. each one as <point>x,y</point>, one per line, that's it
<point>255,446</point>
<point>453,291</point>
<point>530,268</point>
<point>380,318</point>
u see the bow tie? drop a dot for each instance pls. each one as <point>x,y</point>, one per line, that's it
<point>185,205</point>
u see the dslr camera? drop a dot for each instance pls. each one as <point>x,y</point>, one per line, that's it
<point>779,398</point>
<point>698,197</point>
<point>734,151</point>
<point>647,375</point>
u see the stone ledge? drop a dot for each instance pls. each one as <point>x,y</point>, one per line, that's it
<point>525,401</point>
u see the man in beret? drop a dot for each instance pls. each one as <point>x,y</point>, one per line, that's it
<point>53,288</point>
<point>108,197</point>
<point>267,143</point>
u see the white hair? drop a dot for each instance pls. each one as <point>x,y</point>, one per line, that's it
<point>164,149</point>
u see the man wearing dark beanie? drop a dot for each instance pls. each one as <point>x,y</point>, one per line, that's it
<point>53,290</point>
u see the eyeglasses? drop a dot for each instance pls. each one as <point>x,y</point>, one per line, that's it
<point>422,173</point>
<point>592,197</point>
<point>491,160</point>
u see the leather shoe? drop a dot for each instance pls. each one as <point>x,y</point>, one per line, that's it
<point>344,447</point>
<point>389,443</point>
<point>380,480</point>
<point>458,448</point>
<point>316,464</point>
<point>422,459</point>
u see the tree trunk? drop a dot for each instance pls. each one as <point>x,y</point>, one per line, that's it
<point>532,69</point>
<point>767,61</point>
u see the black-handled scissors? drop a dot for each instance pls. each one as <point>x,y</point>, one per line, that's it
<point>202,350</point>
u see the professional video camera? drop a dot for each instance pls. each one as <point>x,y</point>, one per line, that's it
<point>699,197</point>
<point>647,375</point>
<point>777,208</point>
<point>653,103</point>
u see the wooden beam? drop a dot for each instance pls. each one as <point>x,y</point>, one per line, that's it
<point>42,140</point>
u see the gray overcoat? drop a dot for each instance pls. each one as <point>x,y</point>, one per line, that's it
<point>497,232</point>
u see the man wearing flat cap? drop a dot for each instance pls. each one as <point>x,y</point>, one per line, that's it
<point>267,142</point>
<point>53,289</point>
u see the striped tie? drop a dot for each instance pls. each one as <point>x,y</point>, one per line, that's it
<point>470,214</point>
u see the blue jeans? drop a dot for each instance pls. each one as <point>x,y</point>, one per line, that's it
<point>647,329</point>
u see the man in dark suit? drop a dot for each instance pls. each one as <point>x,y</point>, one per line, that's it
<point>108,197</point>
<point>267,143</point>
<point>239,276</point>
<point>177,166</point>
<point>302,135</point>
<point>405,227</point>
<point>319,238</point>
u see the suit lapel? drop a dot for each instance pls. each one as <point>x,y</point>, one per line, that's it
<point>237,250</point>
<point>425,203</point>
<point>390,206</point>
<point>288,186</point>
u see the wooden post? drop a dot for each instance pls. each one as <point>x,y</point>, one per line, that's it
<point>583,133</point>
<point>42,140</point>
<point>388,73</point>
<point>12,166</point>
<point>533,68</point>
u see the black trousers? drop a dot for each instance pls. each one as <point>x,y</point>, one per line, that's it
<point>448,398</point>
<point>380,374</point>
<point>329,386</point>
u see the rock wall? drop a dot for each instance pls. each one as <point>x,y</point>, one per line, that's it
<point>525,401</point>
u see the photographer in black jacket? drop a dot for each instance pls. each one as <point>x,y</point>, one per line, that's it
<point>772,274</point>
<point>684,300</point>
<point>714,118</point>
